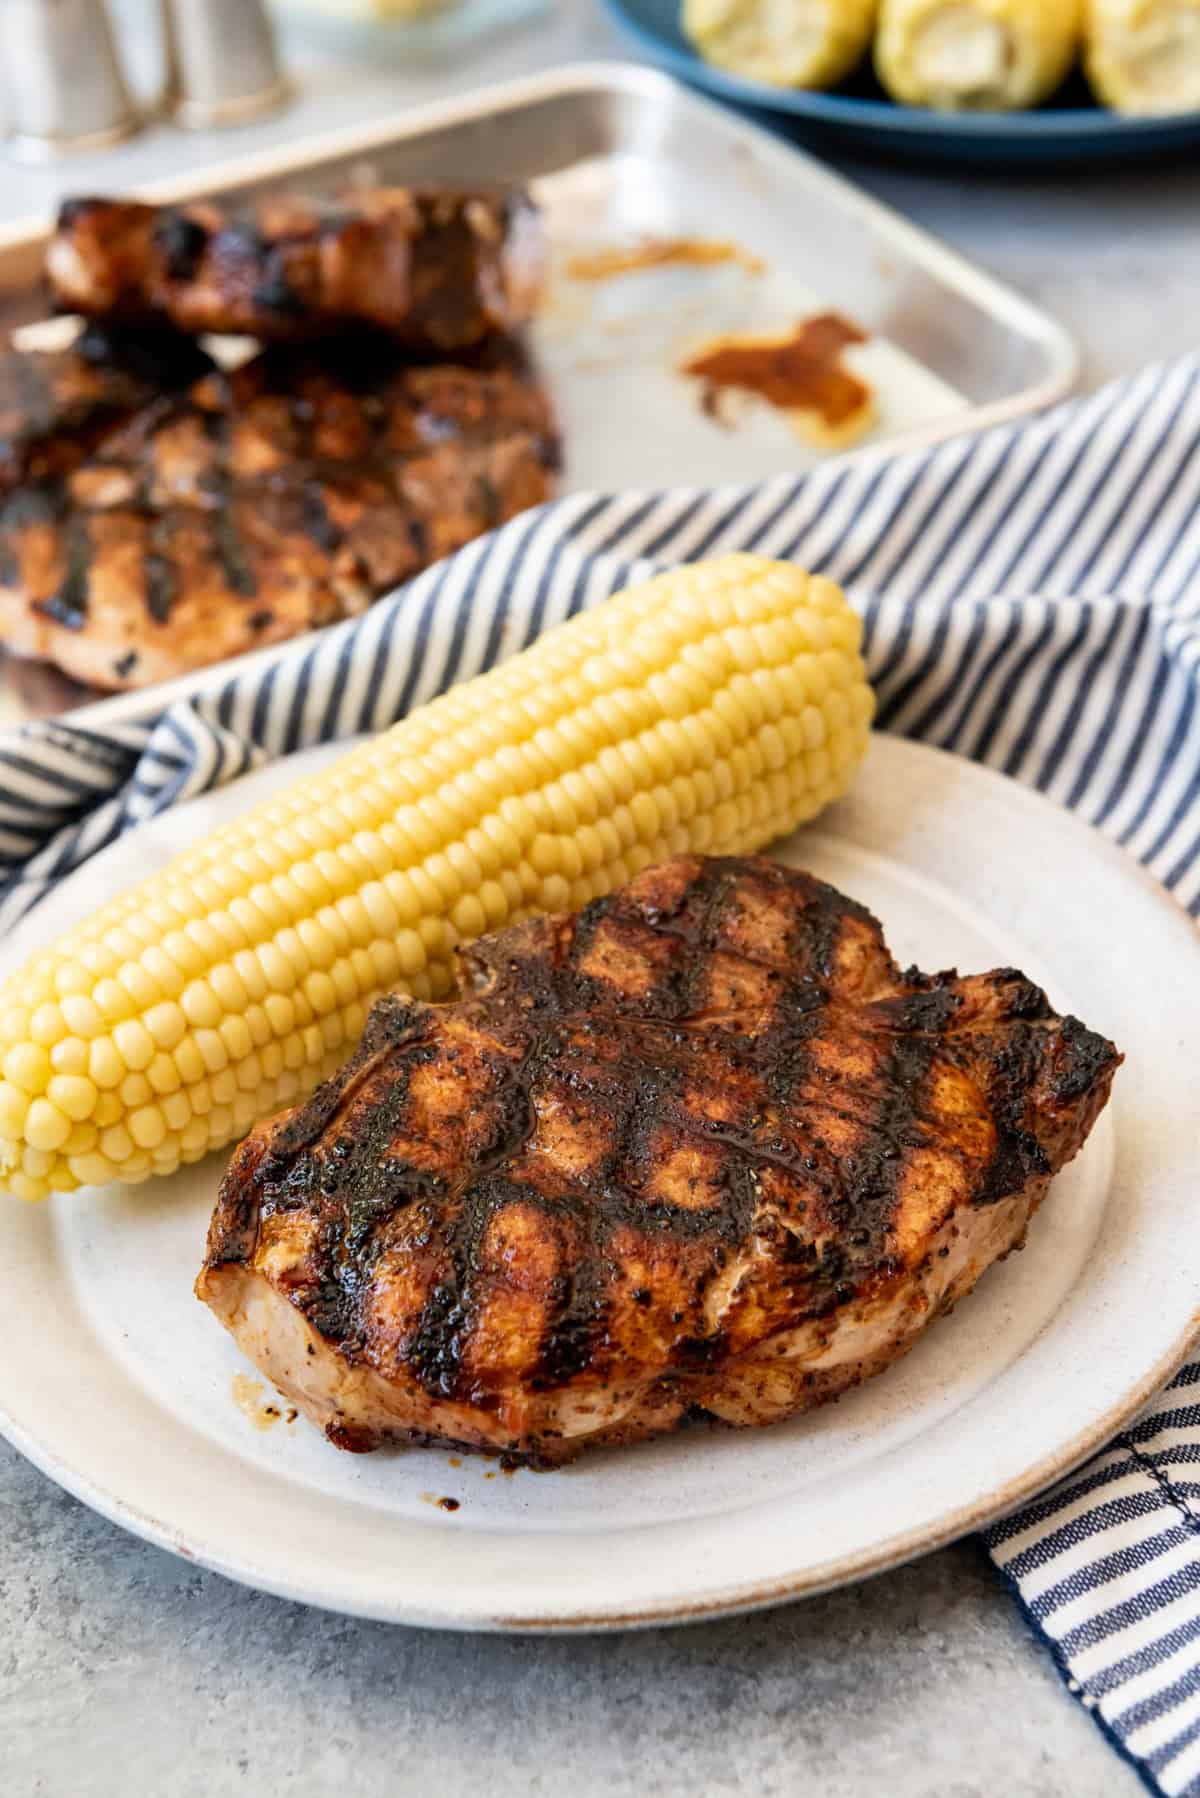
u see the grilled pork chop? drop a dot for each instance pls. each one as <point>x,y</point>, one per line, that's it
<point>57,405</point>
<point>261,504</point>
<point>701,1150</point>
<point>438,270</point>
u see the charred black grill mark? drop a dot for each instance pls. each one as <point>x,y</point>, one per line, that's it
<point>356,1187</point>
<point>869,1179</point>
<point>161,586</point>
<point>1018,1158</point>
<point>153,356</point>
<point>57,609</point>
<point>275,294</point>
<point>823,925</point>
<point>491,501</point>
<point>435,1351</point>
<point>583,932</point>
<point>27,400</point>
<point>315,521</point>
<point>69,605</point>
<point>181,242</point>
<point>391,1023</point>
<point>786,1047</point>
<point>37,505</point>
<point>231,552</point>
<point>29,508</point>
<point>708,897</point>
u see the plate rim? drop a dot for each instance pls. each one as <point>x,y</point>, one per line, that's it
<point>1048,126</point>
<point>724,1598</point>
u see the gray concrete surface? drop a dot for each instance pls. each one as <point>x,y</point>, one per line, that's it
<point>124,1672</point>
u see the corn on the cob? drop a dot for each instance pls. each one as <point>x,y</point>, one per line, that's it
<point>710,710</point>
<point>804,43</point>
<point>1143,56</point>
<point>989,55</point>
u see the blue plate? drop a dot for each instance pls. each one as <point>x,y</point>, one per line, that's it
<point>859,116</point>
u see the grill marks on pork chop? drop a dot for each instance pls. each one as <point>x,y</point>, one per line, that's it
<point>57,405</point>
<point>437,269</point>
<point>701,1147</point>
<point>263,503</point>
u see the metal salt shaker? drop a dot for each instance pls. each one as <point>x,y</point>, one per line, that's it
<point>61,83</point>
<point>222,64</point>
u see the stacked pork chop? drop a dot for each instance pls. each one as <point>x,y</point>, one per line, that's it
<point>161,509</point>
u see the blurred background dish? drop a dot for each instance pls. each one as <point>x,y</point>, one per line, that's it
<point>403,28</point>
<point>976,55</point>
<point>1071,130</point>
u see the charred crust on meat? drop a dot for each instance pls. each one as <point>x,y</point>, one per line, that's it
<point>35,505</point>
<point>274,293</point>
<point>160,586</point>
<point>1019,1157</point>
<point>315,520</point>
<point>235,565</point>
<point>181,241</point>
<point>74,211</point>
<point>68,607</point>
<point>1081,1060</point>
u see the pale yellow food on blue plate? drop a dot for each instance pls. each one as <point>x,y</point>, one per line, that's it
<point>976,55</point>
<point>790,43</point>
<point>707,711</point>
<point>1143,56</point>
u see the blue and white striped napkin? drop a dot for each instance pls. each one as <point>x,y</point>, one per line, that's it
<point>1031,597</point>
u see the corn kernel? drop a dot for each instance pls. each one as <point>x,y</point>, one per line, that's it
<point>147,1126</point>
<point>116,1143</point>
<point>14,1109</point>
<point>24,1186</point>
<point>134,1044</point>
<point>92,1169</point>
<point>223,1086</point>
<point>189,1062</point>
<point>82,1140</point>
<point>73,1095</point>
<point>108,1109</point>
<point>27,1066</point>
<point>177,1110</point>
<point>105,1067</point>
<point>69,1056</point>
<point>46,1128</point>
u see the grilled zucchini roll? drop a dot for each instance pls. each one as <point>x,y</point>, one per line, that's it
<point>983,55</point>
<point>1143,56</point>
<point>788,43</point>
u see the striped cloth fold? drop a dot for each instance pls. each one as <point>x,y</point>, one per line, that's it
<point>1031,599</point>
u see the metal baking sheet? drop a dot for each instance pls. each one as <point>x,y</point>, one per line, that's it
<point>617,154</point>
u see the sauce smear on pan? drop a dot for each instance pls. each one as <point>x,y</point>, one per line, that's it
<point>801,372</point>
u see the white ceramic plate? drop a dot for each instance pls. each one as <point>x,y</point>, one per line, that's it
<point>121,1387</point>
